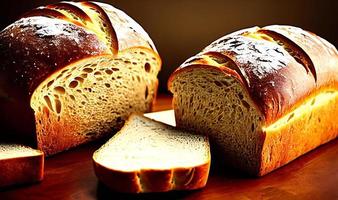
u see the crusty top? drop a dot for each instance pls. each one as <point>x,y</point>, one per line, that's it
<point>49,38</point>
<point>279,65</point>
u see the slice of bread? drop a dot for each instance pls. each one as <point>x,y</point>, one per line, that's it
<point>149,156</point>
<point>20,164</point>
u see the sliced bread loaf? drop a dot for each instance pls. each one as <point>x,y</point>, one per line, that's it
<point>20,164</point>
<point>149,156</point>
<point>72,72</point>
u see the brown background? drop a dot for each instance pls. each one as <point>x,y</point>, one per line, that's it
<point>181,28</point>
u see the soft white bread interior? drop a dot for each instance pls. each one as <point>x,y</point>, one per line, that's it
<point>93,97</point>
<point>149,156</point>
<point>20,164</point>
<point>213,103</point>
<point>15,151</point>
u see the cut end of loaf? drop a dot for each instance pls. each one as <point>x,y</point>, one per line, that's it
<point>92,97</point>
<point>149,156</point>
<point>20,165</point>
<point>212,102</point>
<point>8,151</point>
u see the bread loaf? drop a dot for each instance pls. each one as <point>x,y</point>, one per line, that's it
<point>73,72</point>
<point>264,95</point>
<point>20,165</point>
<point>149,156</point>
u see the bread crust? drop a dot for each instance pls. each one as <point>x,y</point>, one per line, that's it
<point>21,170</point>
<point>150,180</point>
<point>279,88</point>
<point>299,136</point>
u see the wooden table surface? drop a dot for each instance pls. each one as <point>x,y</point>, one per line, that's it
<point>70,175</point>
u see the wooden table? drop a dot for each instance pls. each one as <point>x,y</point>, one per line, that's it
<point>70,175</point>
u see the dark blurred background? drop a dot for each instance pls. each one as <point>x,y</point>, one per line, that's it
<point>181,28</point>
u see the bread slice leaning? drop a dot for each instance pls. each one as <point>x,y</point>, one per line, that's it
<point>20,164</point>
<point>149,156</point>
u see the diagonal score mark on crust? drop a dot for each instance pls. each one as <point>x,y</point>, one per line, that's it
<point>293,49</point>
<point>98,15</point>
<point>73,12</point>
<point>85,14</point>
<point>46,12</point>
<point>226,62</point>
<point>219,60</point>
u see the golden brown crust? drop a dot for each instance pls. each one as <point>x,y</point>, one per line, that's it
<point>300,135</point>
<point>21,170</point>
<point>107,25</point>
<point>153,180</point>
<point>117,180</point>
<point>129,33</point>
<point>71,9</point>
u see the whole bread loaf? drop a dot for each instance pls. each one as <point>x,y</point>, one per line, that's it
<point>264,95</point>
<point>72,72</point>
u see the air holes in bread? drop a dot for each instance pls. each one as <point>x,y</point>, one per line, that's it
<point>219,84</point>
<point>48,102</point>
<point>245,104</point>
<point>72,97</point>
<point>73,84</point>
<point>97,74</point>
<point>79,79</point>
<point>108,71</point>
<point>107,85</point>
<point>147,67</point>
<point>115,69</point>
<point>50,83</point>
<point>88,70</point>
<point>146,93</point>
<point>59,90</point>
<point>57,106</point>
